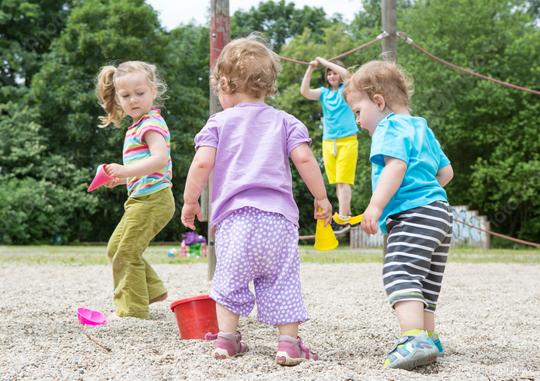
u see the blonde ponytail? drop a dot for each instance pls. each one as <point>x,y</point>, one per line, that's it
<point>106,93</point>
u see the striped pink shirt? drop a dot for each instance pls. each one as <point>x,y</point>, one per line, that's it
<point>135,148</point>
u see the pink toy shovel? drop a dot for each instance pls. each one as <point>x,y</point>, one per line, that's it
<point>90,317</point>
<point>100,179</point>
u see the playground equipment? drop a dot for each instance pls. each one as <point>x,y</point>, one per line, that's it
<point>325,239</point>
<point>193,245</point>
<point>101,178</point>
<point>90,317</point>
<point>196,317</point>
<point>352,220</point>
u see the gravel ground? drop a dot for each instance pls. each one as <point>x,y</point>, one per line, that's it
<point>489,320</point>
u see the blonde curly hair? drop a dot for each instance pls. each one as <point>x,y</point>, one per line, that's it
<point>246,65</point>
<point>384,78</point>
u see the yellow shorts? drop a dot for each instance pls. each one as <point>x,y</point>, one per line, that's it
<point>340,156</point>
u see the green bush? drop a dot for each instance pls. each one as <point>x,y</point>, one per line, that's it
<point>42,212</point>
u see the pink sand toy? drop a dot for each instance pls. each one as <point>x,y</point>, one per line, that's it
<point>90,317</point>
<point>100,179</point>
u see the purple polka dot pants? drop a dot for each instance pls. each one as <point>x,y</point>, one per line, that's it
<point>258,246</point>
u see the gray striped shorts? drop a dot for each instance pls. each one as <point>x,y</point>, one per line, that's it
<point>417,250</point>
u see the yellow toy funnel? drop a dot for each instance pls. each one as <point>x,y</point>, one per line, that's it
<point>325,239</point>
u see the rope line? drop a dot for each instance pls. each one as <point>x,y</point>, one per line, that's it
<point>380,37</point>
<point>337,234</point>
<point>410,42</point>
<point>504,236</point>
<point>507,237</point>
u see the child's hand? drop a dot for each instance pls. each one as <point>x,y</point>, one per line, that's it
<point>370,221</point>
<point>313,64</point>
<point>116,170</point>
<point>115,182</point>
<point>323,210</point>
<point>189,211</point>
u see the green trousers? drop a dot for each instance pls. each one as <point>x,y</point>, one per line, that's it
<point>135,281</point>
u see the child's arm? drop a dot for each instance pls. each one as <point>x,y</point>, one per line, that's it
<point>159,157</point>
<point>309,170</point>
<point>445,175</point>
<point>305,90</point>
<point>389,182</point>
<point>343,73</point>
<point>197,177</point>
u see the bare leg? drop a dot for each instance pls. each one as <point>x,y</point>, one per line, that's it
<point>344,195</point>
<point>229,342</point>
<point>290,329</point>
<point>429,321</point>
<point>410,315</point>
<point>227,320</point>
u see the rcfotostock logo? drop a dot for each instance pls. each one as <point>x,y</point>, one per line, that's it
<point>506,211</point>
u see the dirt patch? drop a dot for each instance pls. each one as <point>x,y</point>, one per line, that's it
<point>489,321</point>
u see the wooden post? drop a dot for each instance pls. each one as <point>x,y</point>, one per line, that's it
<point>389,25</point>
<point>220,35</point>
<point>389,46</point>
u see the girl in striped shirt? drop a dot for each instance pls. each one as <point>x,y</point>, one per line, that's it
<point>131,89</point>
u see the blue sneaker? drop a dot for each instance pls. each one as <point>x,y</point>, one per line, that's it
<point>411,352</point>
<point>438,344</point>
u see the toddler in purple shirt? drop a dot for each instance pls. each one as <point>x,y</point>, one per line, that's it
<point>248,146</point>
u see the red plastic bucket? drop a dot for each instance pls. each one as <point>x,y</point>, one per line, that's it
<point>195,316</point>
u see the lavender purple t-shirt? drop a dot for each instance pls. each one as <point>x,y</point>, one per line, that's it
<point>253,142</point>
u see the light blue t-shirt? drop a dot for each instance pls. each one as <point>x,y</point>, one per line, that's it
<point>408,138</point>
<point>338,118</point>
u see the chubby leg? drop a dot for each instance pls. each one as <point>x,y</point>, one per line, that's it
<point>412,275</point>
<point>429,321</point>
<point>227,320</point>
<point>229,341</point>
<point>410,314</point>
<point>230,284</point>
<point>290,329</point>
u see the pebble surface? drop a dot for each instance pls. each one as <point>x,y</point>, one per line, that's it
<point>488,319</point>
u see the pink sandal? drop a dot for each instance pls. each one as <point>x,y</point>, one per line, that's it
<point>291,351</point>
<point>228,345</point>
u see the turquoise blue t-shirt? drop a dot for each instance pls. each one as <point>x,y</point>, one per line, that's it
<point>338,118</point>
<point>408,138</point>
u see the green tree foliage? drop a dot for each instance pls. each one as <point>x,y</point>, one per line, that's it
<point>27,29</point>
<point>51,145</point>
<point>278,21</point>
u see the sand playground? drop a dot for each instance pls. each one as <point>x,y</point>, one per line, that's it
<point>489,321</point>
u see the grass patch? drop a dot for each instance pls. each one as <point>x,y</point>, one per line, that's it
<point>458,254</point>
<point>96,255</point>
<point>80,255</point>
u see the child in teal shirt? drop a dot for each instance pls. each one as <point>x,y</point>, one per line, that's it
<point>409,203</point>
